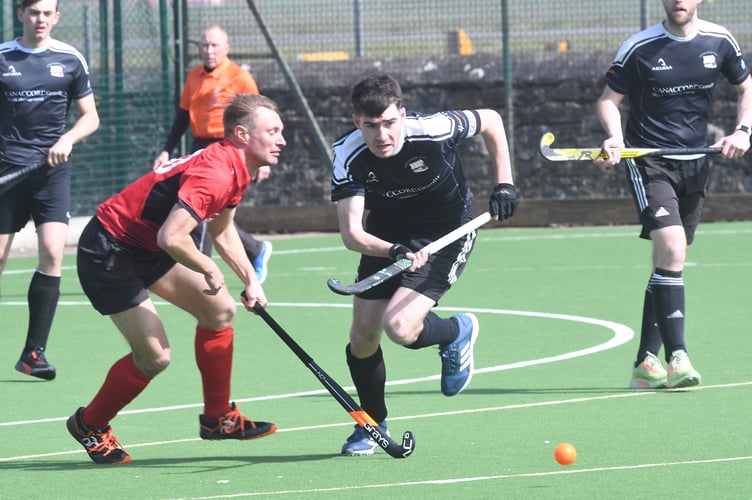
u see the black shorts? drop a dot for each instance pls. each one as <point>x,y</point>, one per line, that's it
<point>113,275</point>
<point>668,192</point>
<point>43,195</point>
<point>433,279</point>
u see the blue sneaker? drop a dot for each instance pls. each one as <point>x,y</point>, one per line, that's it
<point>360,444</point>
<point>457,357</point>
<point>261,261</point>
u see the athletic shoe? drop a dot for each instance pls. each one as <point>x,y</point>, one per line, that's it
<point>360,444</point>
<point>680,371</point>
<point>100,444</point>
<point>233,425</point>
<point>457,356</point>
<point>649,374</point>
<point>260,263</point>
<point>35,364</point>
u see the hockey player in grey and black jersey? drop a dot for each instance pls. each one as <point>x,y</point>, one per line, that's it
<point>39,80</point>
<point>405,172</point>
<point>668,73</point>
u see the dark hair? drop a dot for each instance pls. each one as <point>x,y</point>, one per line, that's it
<point>22,4</point>
<point>372,95</point>
<point>242,111</point>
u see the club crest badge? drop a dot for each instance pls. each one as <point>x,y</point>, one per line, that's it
<point>418,166</point>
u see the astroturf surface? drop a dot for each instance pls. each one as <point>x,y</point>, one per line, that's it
<point>559,311</point>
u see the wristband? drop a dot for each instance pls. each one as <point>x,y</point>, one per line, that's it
<point>744,129</point>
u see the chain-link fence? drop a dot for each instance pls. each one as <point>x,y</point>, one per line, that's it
<point>140,50</point>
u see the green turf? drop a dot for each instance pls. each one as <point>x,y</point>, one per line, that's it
<point>540,295</point>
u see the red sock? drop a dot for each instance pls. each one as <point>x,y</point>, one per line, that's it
<point>214,360</point>
<point>123,383</point>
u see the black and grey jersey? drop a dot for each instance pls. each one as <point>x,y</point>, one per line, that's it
<point>423,182</point>
<point>670,81</point>
<point>37,87</point>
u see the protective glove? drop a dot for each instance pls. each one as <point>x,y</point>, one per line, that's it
<point>503,201</point>
<point>398,251</point>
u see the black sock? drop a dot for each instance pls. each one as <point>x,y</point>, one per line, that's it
<point>668,299</point>
<point>369,377</point>
<point>436,331</point>
<point>44,292</point>
<point>650,334</point>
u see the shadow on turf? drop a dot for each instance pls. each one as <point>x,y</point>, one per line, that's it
<point>512,390</point>
<point>191,464</point>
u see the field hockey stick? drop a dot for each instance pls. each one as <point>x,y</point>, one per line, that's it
<point>402,265</point>
<point>5,179</point>
<point>575,154</point>
<point>360,416</point>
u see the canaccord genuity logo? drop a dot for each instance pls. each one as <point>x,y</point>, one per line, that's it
<point>662,66</point>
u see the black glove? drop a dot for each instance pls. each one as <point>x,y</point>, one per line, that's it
<point>398,251</point>
<point>503,201</point>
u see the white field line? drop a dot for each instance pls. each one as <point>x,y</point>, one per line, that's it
<point>457,480</point>
<point>564,235</point>
<point>469,411</point>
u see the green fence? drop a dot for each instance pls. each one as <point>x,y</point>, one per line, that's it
<point>140,50</point>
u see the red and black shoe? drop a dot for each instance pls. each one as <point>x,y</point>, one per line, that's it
<point>35,364</point>
<point>233,425</point>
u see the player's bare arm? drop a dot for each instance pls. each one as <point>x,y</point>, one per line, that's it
<point>174,237</point>
<point>609,115</point>
<point>87,124</point>
<point>230,248</point>
<point>495,138</point>
<point>737,143</point>
<point>350,216</point>
<point>504,197</point>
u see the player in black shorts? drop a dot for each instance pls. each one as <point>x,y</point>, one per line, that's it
<point>39,78</point>
<point>405,172</point>
<point>669,72</point>
<point>139,241</point>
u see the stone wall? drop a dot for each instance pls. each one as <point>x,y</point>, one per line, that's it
<point>552,92</point>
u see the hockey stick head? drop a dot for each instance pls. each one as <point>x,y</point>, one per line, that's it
<point>337,287</point>
<point>545,147</point>
<point>393,448</point>
<point>567,154</point>
<point>547,139</point>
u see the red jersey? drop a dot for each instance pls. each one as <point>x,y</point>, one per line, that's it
<point>205,183</point>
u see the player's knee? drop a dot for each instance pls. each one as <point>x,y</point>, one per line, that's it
<point>153,364</point>
<point>219,313</point>
<point>400,331</point>
<point>671,257</point>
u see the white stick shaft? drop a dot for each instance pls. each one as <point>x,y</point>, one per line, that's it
<point>458,233</point>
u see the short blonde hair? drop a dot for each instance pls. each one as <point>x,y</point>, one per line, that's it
<point>242,111</point>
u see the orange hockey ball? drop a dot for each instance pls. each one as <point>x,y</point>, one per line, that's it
<point>565,453</point>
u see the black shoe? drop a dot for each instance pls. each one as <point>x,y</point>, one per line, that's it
<point>35,364</point>
<point>100,444</point>
<point>233,425</point>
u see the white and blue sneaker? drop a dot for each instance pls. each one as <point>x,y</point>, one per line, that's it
<point>360,444</point>
<point>457,357</point>
<point>260,263</point>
